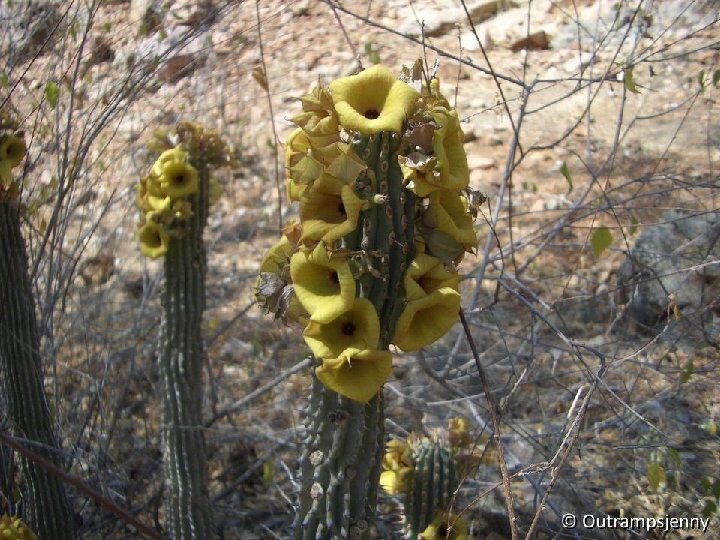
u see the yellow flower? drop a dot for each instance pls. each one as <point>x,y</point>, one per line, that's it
<point>158,204</point>
<point>427,319</point>
<point>278,256</point>
<point>356,374</point>
<point>398,455</point>
<point>153,240</point>
<point>12,528</point>
<point>176,154</point>
<point>179,179</point>
<point>449,150</point>
<point>435,92</point>
<point>445,527</point>
<point>318,117</point>
<point>459,432</point>
<point>372,101</point>
<point>396,481</point>
<point>300,165</point>
<point>317,123</point>
<point>13,149</point>
<point>356,328</point>
<point>425,275</point>
<point>327,217</point>
<point>447,212</point>
<point>324,286</point>
<point>450,169</point>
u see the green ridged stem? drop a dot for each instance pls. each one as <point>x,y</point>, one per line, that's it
<point>340,466</point>
<point>341,461</point>
<point>46,507</point>
<point>181,363</point>
<point>433,485</point>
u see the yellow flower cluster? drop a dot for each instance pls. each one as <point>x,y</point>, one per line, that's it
<point>163,197</point>
<point>12,528</point>
<point>12,151</point>
<point>397,464</point>
<point>399,474</point>
<point>331,183</point>
<point>445,526</point>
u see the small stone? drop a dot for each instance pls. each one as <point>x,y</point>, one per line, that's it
<point>537,41</point>
<point>480,162</point>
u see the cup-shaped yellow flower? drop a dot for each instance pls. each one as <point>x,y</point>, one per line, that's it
<point>176,154</point>
<point>450,168</point>
<point>318,117</point>
<point>13,149</point>
<point>356,374</point>
<point>373,101</point>
<point>399,454</point>
<point>179,179</point>
<point>459,432</point>
<point>427,319</point>
<point>356,328</point>
<point>317,123</point>
<point>278,256</point>
<point>425,275</point>
<point>153,240</point>
<point>327,217</point>
<point>445,527</point>
<point>396,481</point>
<point>447,212</point>
<point>324,285</point>
<point>296,147</point>
<point>449,150</point>
<point>157,204</point>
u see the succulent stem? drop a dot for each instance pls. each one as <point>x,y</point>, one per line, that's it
<point>46,505</point>
<point>181,362</point>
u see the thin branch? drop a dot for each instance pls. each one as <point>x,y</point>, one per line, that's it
<point>81,486</point>
<point>266,87</point>
<point>496,428</point>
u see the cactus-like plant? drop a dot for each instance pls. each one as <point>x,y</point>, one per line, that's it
<point>174,199</point>
<point>46,506</point>
<point>377,167</point>
<point>13,528</point>
<point>424,471</point>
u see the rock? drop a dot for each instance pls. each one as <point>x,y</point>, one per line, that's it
<point>441,21</point>
<point>176,55</point>
<point>178,67</point>
<point>537,41</point>
<point>31,27</point>
<point>146,14</point>
<point>480,162</point>
<point>578,62</point>
<point>97,270</point>
<point>673,264</point>
<point>197,14</point>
